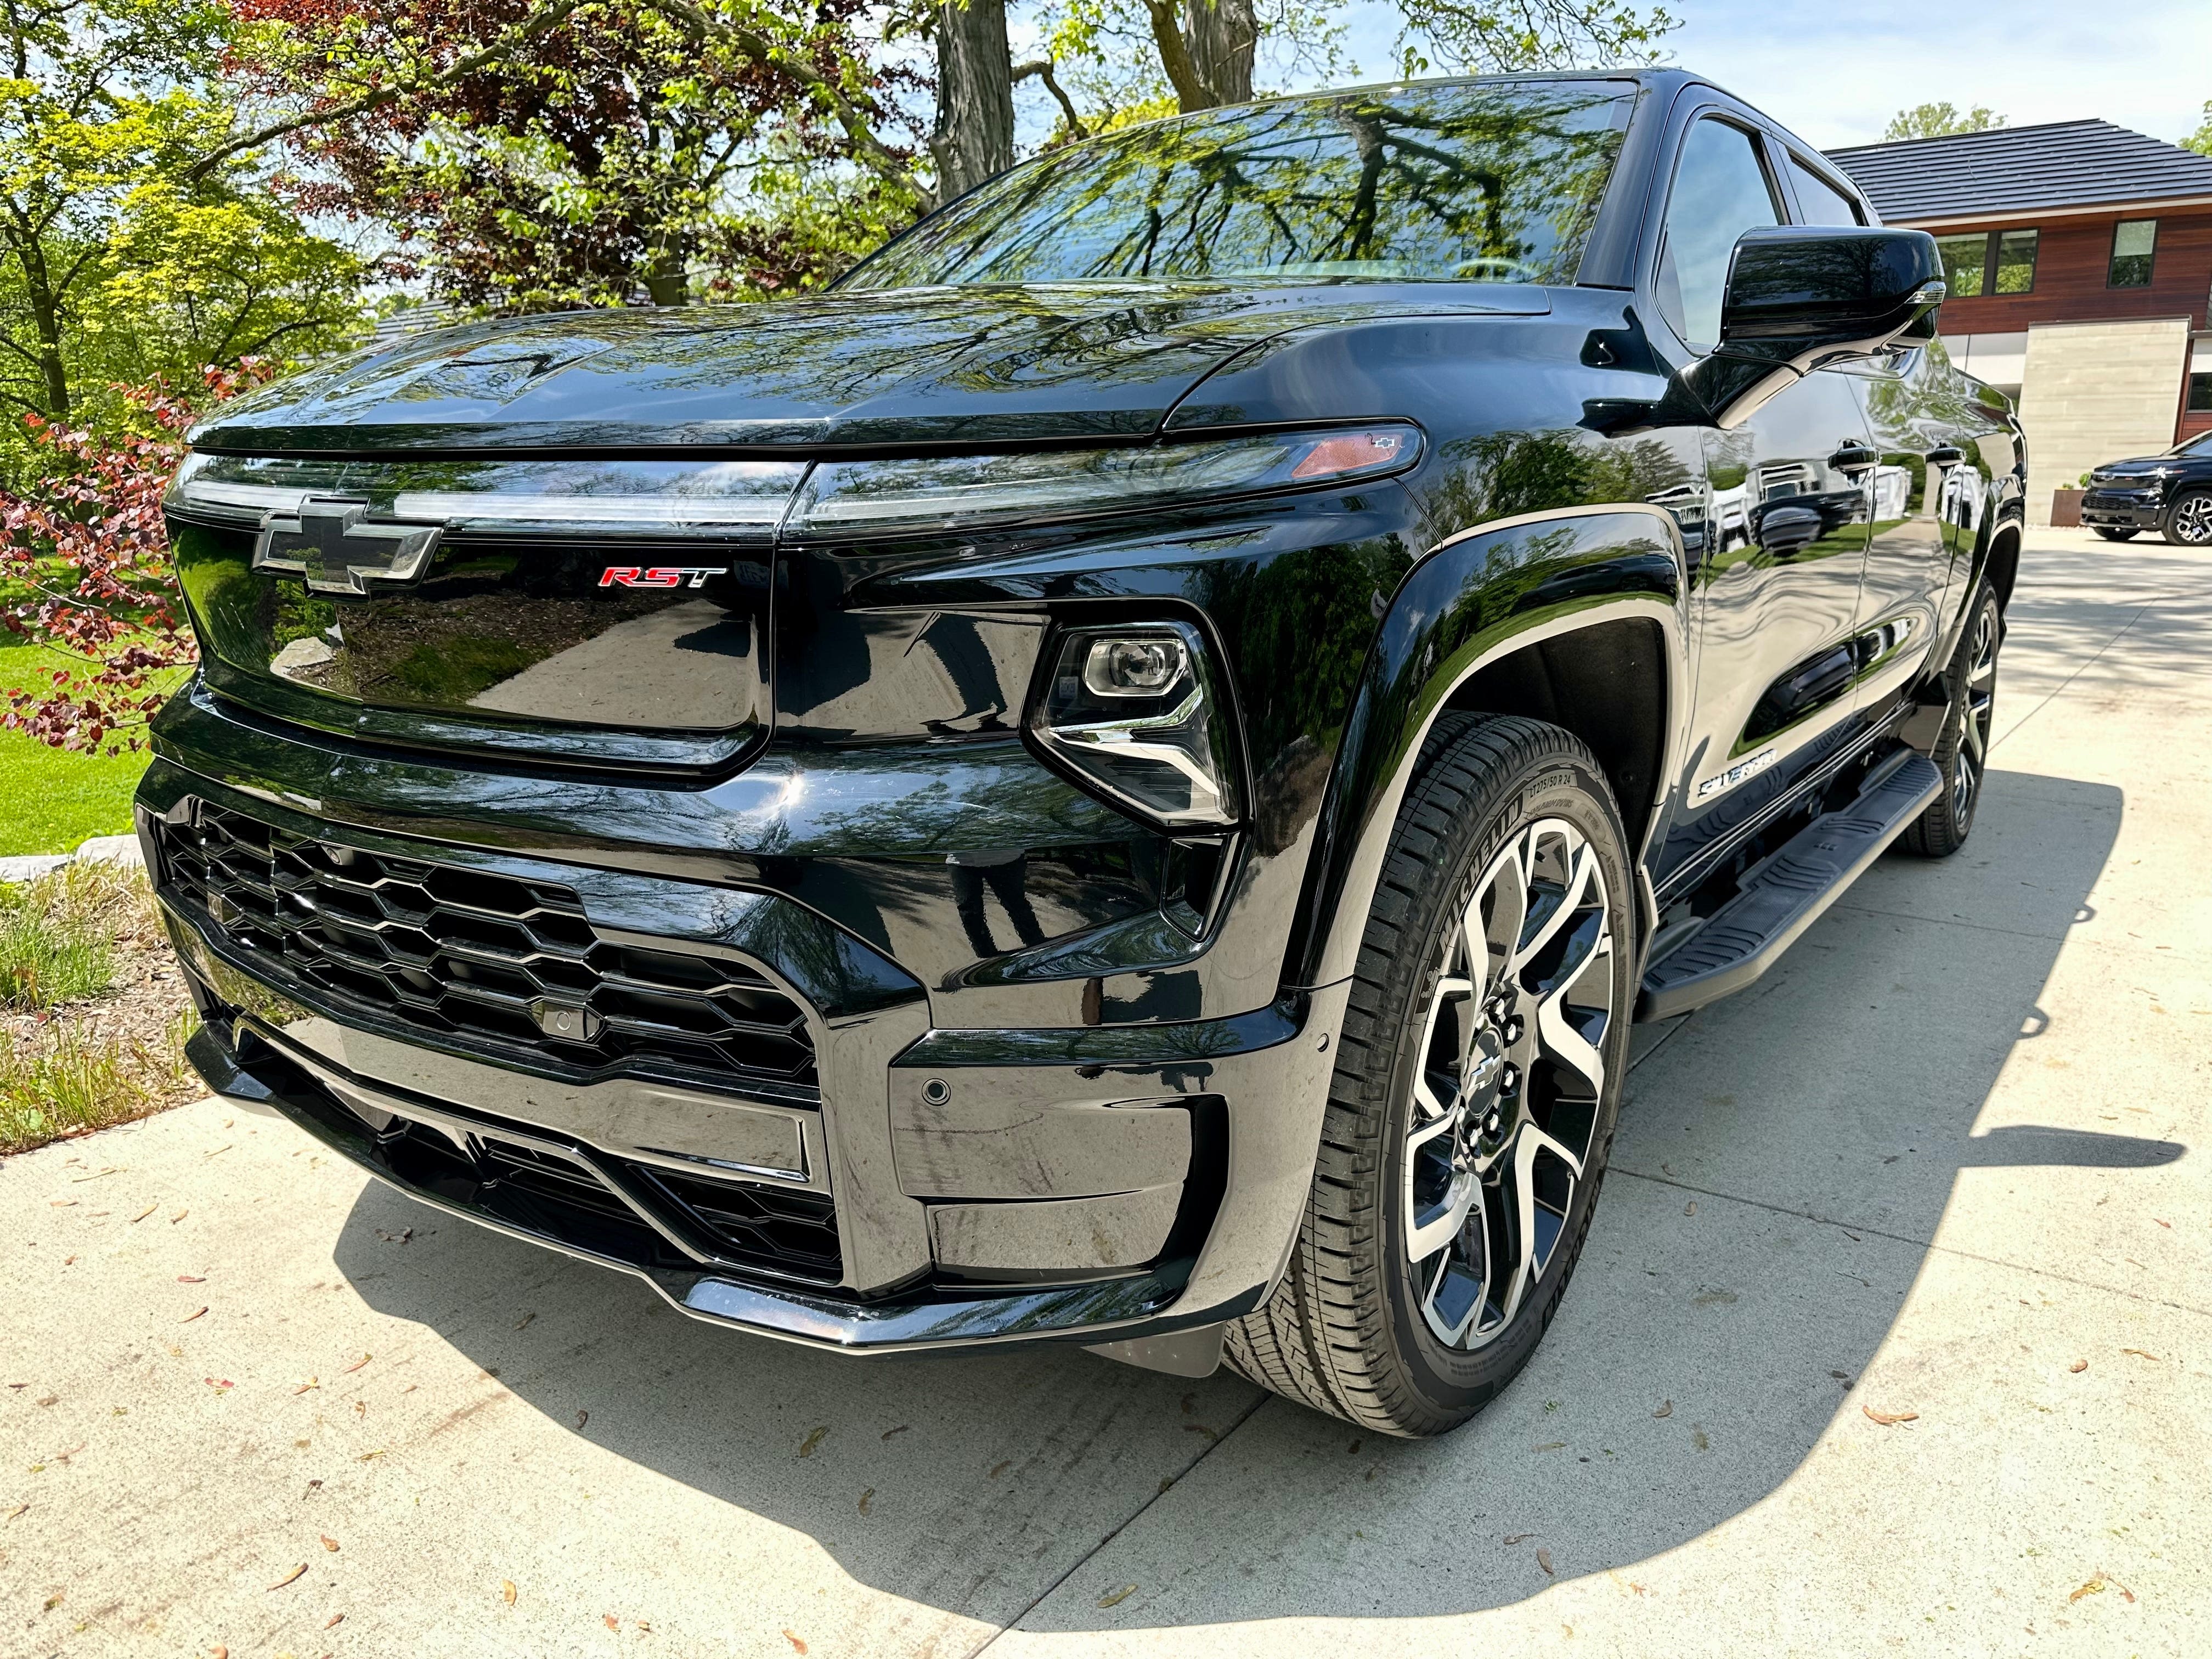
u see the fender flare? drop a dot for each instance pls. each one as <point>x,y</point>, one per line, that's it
<point>1474,600</point>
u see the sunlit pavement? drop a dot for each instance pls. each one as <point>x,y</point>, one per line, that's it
<point>1894,1334</point>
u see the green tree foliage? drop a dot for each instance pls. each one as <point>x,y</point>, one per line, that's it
<point>124,260</point>
<point>530,156</point>
<point>2200,140</point>
<point>1939,121</point>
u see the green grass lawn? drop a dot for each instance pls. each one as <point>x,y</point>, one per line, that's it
<point>50,798</point>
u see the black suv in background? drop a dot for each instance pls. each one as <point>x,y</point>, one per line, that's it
<point>1122,776</point>
<point>2170,494</point>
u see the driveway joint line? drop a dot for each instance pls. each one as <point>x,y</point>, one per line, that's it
<point>2063,686</point>
<point>1135,1516</point>
<point>1928,1245</point>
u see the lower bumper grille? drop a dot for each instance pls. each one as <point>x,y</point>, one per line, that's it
<point>507,966</point>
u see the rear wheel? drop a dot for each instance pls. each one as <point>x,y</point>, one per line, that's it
<point>1962,751</point>
<point>2189,519</point>
<point>2112,535</point>
<point>1472,1108</point>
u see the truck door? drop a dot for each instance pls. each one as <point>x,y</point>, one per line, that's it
<point>1776,592</point>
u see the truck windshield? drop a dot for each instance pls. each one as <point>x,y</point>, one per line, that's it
<point>1451,182</point>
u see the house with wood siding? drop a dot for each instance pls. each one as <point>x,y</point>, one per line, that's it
<point>2079,257</point>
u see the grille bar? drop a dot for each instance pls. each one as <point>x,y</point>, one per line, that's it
<point>485,959</point>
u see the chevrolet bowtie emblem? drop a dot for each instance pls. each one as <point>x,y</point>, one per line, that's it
<point>331,541</point>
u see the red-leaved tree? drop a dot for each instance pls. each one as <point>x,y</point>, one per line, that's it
<point>87,542</point>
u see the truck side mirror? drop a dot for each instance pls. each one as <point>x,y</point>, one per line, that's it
<point>1802,297</point>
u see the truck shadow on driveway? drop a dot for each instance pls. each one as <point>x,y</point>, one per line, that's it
<point>1784,1162</point>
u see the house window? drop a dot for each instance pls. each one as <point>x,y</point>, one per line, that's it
<point>1963,258</point>
<point>2016,262</point>
<point>2200,393</point>
<point>2134,242</point>
<point>1988,262</point>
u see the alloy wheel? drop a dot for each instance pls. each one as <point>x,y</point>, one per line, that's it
<point>1512,1072</point>
<point>2192,519</point>
<point>1977,711</point>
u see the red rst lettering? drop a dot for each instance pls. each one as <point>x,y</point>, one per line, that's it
<point>625,576</point>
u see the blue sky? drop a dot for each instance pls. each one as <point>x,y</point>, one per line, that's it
<point>1836,74</point>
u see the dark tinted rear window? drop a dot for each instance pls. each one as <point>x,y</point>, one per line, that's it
<point>1470,182</point>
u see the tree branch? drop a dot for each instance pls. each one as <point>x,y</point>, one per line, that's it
<point>522,35</point>
<point>1042,70</point>
<point>879,158</point>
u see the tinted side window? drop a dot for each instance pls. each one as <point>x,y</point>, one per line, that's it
<point>1721,190</point>
<point>1819,202</point>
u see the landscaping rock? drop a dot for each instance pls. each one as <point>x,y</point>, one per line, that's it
<point>112,849</point>
<point>31,866</point>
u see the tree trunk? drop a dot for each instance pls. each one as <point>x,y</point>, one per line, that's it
<point>973,136</point>
<point>46,322</point>
<point>1221,36</point>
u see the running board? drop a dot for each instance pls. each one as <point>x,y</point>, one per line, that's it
<point>1787,892</point>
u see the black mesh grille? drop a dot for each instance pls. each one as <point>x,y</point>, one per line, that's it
<point>796,1231</point>
<point>477,957</point>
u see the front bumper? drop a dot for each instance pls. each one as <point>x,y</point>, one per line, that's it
<point>2123,509</point>
<point>1104,1185</point>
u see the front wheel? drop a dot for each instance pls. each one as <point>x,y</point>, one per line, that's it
<point>1962,751</point>
<point>1472,1108</point>
<point>2189,519</point>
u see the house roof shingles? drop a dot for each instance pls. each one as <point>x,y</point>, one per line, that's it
<point>2060,164</point>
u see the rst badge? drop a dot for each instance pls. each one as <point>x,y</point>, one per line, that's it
<point>661,576</point>
<point>328,541</point>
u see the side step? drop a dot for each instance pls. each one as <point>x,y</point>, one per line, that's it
<point>1786,893</point>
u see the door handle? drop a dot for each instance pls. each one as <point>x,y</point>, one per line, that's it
<point>1948,455</point>
<point>1851,455</point>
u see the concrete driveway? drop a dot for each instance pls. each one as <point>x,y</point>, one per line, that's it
<point>1950,1159</point>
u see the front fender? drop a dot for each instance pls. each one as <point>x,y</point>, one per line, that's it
<point>1472,601</point>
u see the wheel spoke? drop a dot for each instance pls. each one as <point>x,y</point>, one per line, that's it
<point>1582,866</point>
<point>1561,1038</point>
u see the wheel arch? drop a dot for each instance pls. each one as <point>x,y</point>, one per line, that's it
<point>1565,617</point>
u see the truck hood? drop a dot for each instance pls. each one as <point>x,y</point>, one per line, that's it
<point>914,366</point>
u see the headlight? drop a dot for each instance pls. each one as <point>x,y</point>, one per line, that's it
<point>949,492</point>
<point>1137,711</point>
<point>647,497</point>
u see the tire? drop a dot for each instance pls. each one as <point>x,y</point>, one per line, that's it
<point>2188,521</point>
<point>1361,1326</point>
<point>2112,535</point>
<point>1962,750</point>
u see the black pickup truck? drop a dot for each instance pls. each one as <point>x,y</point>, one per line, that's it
<point>1122,774</point>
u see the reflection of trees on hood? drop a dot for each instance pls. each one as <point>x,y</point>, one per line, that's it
<point>1451,182</point>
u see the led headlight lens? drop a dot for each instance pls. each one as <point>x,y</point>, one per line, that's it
<point>953,491</point>
<point>1138,713</point>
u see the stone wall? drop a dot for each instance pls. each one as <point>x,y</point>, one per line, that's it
<point>2095,393</point>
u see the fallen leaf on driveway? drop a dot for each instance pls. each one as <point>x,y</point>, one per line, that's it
<point>902,1429</point>
<point>219,1382</point>
<point>865,1497</point>
<point>614,1624</point>
<point>2168,1226</point>
<point>2079,1365</point>
<point>331,1623</point>
<point>1552,1445</point>
<point>219,1150</point>
<point>218,1653</point>
<point>1690,1208</point>
<point>368,1455</point>
<point>192,1278</point>
<point>1111,1599</point>
<point>179,1216</point>
<point>329,1542</point>
<point>797,1645</point>
<point>813,1439</point>
<point>582,1418</point>
<point>1544,1560</point>
<point>62,1203</point>
<point>148,1211</point>
<point>524,1320</point>
<point>2094,1587</point>
<point>1519,1538</point>
<point>17,1510</point>
<point>1666,1409</point>
<point>2139,1354</point>
<point>289,1577</point>
<point>1890,1420</point>
<point>506,1591</point>
<point>189,1317</point>
<point>312,1382</point>
<point>358,1364</point>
